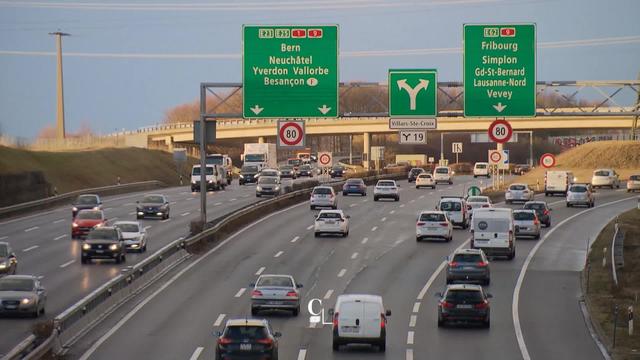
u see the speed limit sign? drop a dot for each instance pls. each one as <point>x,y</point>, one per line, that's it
<point>325,159</point>
<point>500,131</point>
<point>547,160</point>
<point>291,134</point>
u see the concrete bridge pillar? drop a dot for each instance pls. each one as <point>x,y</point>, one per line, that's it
<point>367,150</point>
<point>169,142</point>
<point>261,140</point>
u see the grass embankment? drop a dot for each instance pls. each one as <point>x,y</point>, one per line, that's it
<point>602,295</point>
<point>69,171</point>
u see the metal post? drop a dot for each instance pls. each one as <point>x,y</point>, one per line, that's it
<point>441,145</point>
<point>351,149</point>
<point>531,148</point>
<point>203,154</point>
<point>630,318</point>
<point>634,126</point>
<point>615,323</point>
<point>60,129</point>
<point>457,160</point>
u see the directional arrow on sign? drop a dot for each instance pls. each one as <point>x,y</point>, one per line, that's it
<point>413,92</point>
<point>256,109</point>
<point>499,107</point>
<point>324,109</point>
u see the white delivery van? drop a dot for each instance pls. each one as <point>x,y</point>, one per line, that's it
<point>492,231</point>
<point>557,182</point>
<point>216,178</point>
<point>359,319</point>
<point>443,174</point>
<point>481,169</point>
<point>456,209</point>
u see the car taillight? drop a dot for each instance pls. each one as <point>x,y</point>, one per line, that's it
<point>510,238</point>
<point>546,212</point>
<point>444,224</point>
<point>335,320</point>
<point>482,264</point>
<point>453,264</point>
<point>419,223</point>
<point>382,321</point>
<point>292,294</point>
<point>468,207</point>
<point>536,222</point>
<point>482,305</point>
<point>446,305</point>
<point>266,341</point>
<point>485,205</point>
<point>224,341</point>
<point>256,293</point>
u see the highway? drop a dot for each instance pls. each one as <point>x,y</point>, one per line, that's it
<point>42,242</point>
<point>380,256</point>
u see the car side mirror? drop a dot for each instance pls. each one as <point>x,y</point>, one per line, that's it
<point>387,313</point>
<point>12,256</point>
<point>40,290</point>
<point>217,333</point>
<point>299,286</point>
<point>348,216</point>
<point>489,296</point>
<point>438,294</point>
<point>277,334</point>
<point>252,284</point>
<point>331,312</point>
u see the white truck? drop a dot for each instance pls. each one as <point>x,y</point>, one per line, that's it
<point>492,231</point>
<point>224,161</point>
<point>557,182</point>
<point>215,178</point>
<point>262,155</point>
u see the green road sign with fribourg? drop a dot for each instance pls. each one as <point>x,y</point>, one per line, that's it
<point>290,71</point>
<point>500,70</point>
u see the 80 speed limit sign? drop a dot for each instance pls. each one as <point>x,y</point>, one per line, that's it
<point>291,134</point>
<point>500,131</point>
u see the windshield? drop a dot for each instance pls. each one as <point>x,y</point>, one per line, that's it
<point>154,199</point>
<point>196,170</point>
<point>294,162</point>
<point>305,167</point>
<point>535,206</point>
<point>16,284</point>
<point>450,206</point>
<point>330,215</point>
<point>245,332</point>
<point>214,159</point>
<point>578,189</point>
<point>433,217</point>
<point>269,173</point>
<point>339,168</point>
<point>254,157</point>
<point>90,215</point>
<point>267,180</point>
<point>481,166</point>
<point>286,168</point>
<point>457,296</point>
<point>523,215</point>
<point>355,181</point>
<point>322,191</point>
<point>424,176</point>
<point>103,234</point>
<point>4,250</point>
<point>467,258</point>
<point>275,281</point>
<point>517,187</point>
<point>416,171</point>
<point>601,173</point>
<point>386,183</point>
<point>477,199</point>
<point>442,170</point>
<point>249,169</point>
<point>634,177</point>
<point>87,200</point>
<point>127,227</point>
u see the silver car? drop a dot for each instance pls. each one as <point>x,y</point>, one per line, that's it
<point>268,185</point>
<point>22,294</point>
<point>323,196</point>
<point>468,265</point>
<point>386,189</point>
<point>518,192</point>
<point>275,292</point>
<point>526,223</point>
<point>134,234</point>
<point>580,194</point>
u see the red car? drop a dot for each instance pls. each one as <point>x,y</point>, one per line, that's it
<point>85,221</point>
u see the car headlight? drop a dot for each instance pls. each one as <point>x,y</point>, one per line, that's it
<point>75,208</point>
<point>26,301</point>
<point>210,181</point>
<point>86,247</point>
<point>3,265</point>
<point>74,225</point>
<point>256,176</point>
<point>277,188</point>
<point>193,182</point>
<point>114,247</point>
<point>241,176</point>
<point>259,188</point>
<point>96,208</point>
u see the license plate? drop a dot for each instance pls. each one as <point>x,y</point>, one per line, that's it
<point>353,187</point>
<point>464,306</point>
<point>330,222</point>
<point>275,302</point>
<point>10,307</point>
<point>245,347</point>
<point>350,329</point>
<point>468,267</point>
<point>432,228</point>
<point>524,228</point>
<point>99,251</point>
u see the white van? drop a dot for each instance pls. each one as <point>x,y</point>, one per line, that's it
<point>481,169</point>
<point>557,182</point>
<point>443,174</point>
<point>456,209</point>
<point>359,319</point>
<point>492,232</point>
<point>216,178</point>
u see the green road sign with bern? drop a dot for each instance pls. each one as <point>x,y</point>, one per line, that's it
<point>290,71</point>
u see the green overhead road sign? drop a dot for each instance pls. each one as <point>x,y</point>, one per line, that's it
<point>500,70</point>
<point>412,93</point>
<point>290,71</point>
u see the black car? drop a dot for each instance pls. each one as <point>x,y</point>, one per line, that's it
<point>542,210</point>
<point>354,186</point>
<point>248,174</point>
<point>153,205</point>
<point>86,202</point>
<point>464,304</point>
<point>413,174</point>
<point>105,242</point>
<point>336,172</point>
<point>247,339</point>
<point>288,172</point>
<point>305,170</point>
<point>8,260</point>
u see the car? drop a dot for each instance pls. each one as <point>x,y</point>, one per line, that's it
<point>336,171</point>
<point>331,222</point>
<point>359,319</point>
<point>633,183</point>
<point>521,169</point>
<point>216,177</point>
<point>456,209</point>
<point>85,221</point>
<point>22,295</point>
<point>477,202</point>
<point>464,303</point>
<point>247,339</point>
<point>605,178</point>
<point>424,179</point>
<point>305,170</point>
<point>580,194</point>
<point>134,234</point>
<point>492,231</point>
<point>153,205</point>
<point>434,225</point>
<point>526,223</point>
<point>248,174</point>
<point>543,211</point>
<point>288,171</point>
<point>386,189</point>
<point>413,174</point>
<point>323,196</point>
<point>105,243</point>
<point>86,202</point>
<point>443,174</point>
<point>295,162</point>
<point>518,192</point>
<point>275,292</point>
<point>269,173</point>
<point>354,186</point>
<point>268,185</point>
<point>8,259</point>
<point>481,169</point>
<point>468,265</point>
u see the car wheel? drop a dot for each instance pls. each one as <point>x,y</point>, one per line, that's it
<point>486,282</point>
<point>382,346</point>
<point>254,312</point>
<point>397,198</point>
<point>344,193</point>
<point>316,234</point>
<point>486,323</point>
<point>257,195</point>
<point>475,176</point>
<point>507,202</point>
<point>537,237</point>
<point>364,194</point>
<point>568,204</point>
<point>296,311</point>
<point>84,260</point>
<point>417,187</point>
<point>335,345</point>
<point>440,322</point>
<point>512,255</point>
<point>375,198</point>
<point>450,182</point>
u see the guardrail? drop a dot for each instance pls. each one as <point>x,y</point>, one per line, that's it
<point>617,254</point>
<point>62,199</point>
<point>81,317</point>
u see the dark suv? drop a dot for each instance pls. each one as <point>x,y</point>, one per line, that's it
<point>247,339</point>
<point>413,174</point>
<point>248,174</point>
<point>468,265</point>
<point>464,303</point>
<point>104,242</point>
<point>542,211</point>
<point>86,202</point>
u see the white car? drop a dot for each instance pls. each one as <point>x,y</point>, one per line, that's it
<point>478,202</point>
<point>331,222</point>
<point>424,180</point>
<point>633,183</point>
<point>518,192</point>
<point>443,174</point>
<point>386,189</point>
<point>605,177</point>
<point>134,235</point>
<point>433,224</point>
<point>481,169</point>
<point>359,319</point>
<point>323,196</point>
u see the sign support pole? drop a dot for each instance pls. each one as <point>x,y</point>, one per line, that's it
<point>203,154</point>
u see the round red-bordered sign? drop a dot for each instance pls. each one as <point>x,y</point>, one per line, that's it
<point>495,157</point>
<point>285,140</point>
<point>324,159</point>
<point>547,160</point>
<point>500,131</point>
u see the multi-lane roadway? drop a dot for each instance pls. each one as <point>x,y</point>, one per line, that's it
<point>535,310</point>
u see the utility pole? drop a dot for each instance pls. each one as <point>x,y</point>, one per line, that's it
<point>634,126</point>
<point>60,131</point>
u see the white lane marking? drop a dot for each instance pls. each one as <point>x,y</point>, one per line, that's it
<point>240,292</point>
<point>278,254</point>
<point>328,294</point>
<point>410,337</point>
<point>3,237</point>
<point>196,353</point>
<point>132,213</point>
<point>392,212</point>
<point>107,209</point>
<point>114,218</point>
<point>173,203</point>
<point>516,292</point>
<point>57,221</point>
<point>309,227</point>
<point>191,198</point>
<point>217,204</point>
<point>234,199</point>
<point>165,220</point>
<point>449,187</point>
<point>312,325</point>
<point>67,264</point>
<point>32,228</point>
<point>148,227</point>
<point>436,273</point>
<point>302,354</point>
<point>60,237</point>
<point>184,192</point>
<point>129,204</point>
<point>352,205</point>
<point>431,193</point>
<point>412,320</point>
<point>383,219</point>
<point>421,197</point>
<point>416,307</point>
<point>30,248</point>
<point>364,241</point>
<point>409,354</point>
<point>185,214</point>
<point>295,239</point>
<point>342,272</point>
<point>412,201</point>
<point>401,205</point>
<point>218,321</point>
<point>374,228</point>
<point>440,190</point>
<point>260,271</point>
<point>354,255</point>
<point>398,242</point>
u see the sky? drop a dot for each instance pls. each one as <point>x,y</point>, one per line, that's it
<point>127,62</point>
